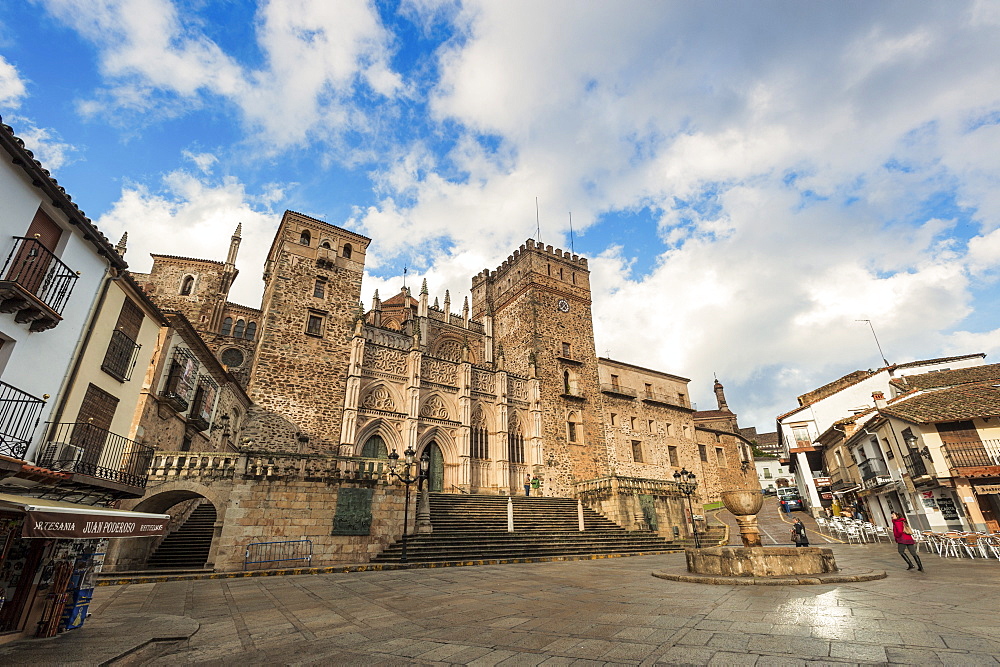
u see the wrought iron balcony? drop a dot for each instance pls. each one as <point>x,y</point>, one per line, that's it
<point>35,284</point>
<point>915,465</point>
<point>19,415</point>
<point>973,454</point>
<point>85,449</point>
<point>871,468</point>
<point>119,360</point>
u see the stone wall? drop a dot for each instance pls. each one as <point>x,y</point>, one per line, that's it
<point>540,300</point>
<point>297,373</point>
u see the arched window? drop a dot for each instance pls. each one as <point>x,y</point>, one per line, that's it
<point>346,252</point>
<point>325,244</point>
<point>227,326</point>
<point>251,331</point>
<point>305,238</point>
<point>375,448</point>
<point>238,331</point>
<point>515,441</point>
<point>187,286</point>
<point>479,439</point>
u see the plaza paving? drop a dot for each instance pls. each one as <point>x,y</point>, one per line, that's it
<point>594,611</point>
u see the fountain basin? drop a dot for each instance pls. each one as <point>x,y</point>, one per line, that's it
<point>760,561</point>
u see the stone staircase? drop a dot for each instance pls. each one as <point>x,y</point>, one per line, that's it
<point>474,527</point>
<point>188,546</point>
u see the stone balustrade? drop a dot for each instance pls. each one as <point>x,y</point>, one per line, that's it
<point>208,466</point>
<point>630,485</point>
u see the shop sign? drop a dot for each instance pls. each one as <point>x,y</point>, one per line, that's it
<point>948,510</point>
<point>986,489</point>
<point>91,526</point>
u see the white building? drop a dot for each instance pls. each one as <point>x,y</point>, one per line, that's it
<point>850,394</point>
<point>56,263</point>
<point>772,473</point>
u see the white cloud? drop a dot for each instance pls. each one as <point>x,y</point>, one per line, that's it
<point>12,89</point>
<point>316,53</point>
<point>187,216</point>
<point>791,156</point>
<point>777,134</point>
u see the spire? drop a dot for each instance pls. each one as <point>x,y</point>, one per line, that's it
<point>720,395</point>
<point>234,245</point>
<point>447,306</point>
<point>422,302</point>
<point>436,306</point>
<point>122,244</point>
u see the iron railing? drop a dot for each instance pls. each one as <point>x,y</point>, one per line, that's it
<point>973,454</point>
<point>871,468</point>
<point>915,465</point>
<point>37,271</point>
<point>86,449</point>
<point>120,358</point>
<point>259,553</point>
<point>19,415</point>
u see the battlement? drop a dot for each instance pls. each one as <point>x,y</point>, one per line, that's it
<point>538,247</point>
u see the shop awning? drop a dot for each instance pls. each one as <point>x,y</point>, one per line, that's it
<point>55,519</point>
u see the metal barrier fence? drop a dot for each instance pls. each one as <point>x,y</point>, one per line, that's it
<point>258,553</point>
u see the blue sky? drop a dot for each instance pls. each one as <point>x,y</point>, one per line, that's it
<point>748,179</point>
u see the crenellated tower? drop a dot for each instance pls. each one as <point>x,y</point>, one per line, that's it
<point>537,306</point>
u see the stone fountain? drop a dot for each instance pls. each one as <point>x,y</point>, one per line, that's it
<point>756,564</point>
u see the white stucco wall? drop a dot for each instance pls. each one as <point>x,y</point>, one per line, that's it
<point>38,363</point>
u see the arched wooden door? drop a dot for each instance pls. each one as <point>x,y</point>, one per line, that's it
<point>435,475</point>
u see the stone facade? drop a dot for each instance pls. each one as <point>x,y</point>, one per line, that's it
<point>507,387</point>
<point>312,290</point>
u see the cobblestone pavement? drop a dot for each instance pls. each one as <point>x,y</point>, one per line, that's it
<point>603,611</point>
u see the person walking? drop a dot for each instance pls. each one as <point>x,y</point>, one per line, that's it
<point>527,485</point>
<point>799,535</point>
<point>904,540</point>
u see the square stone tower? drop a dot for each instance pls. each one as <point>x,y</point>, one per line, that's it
<point>540,304</point>
<point>312,292</point>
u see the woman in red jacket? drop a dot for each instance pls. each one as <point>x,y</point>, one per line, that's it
<point>904,541</point>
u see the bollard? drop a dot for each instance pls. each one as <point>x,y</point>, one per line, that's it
<point>510,514</point>
<point>579,513</point>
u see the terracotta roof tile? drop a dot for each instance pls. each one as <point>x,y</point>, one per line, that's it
<point>966,401</point>
<point>951,378</point>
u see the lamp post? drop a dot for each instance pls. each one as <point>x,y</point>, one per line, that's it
<point>406,478</point>
<point>687,484</point>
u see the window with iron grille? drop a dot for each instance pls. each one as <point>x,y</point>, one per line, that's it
<point>119,359</point>
<point>182,376</point>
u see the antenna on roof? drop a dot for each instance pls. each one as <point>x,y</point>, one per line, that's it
<point>538,224</point>
<point>881,353</point>
<point>571,249</point>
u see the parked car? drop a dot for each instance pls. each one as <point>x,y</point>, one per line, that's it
<point>769,491</point>
<point>792,503</point>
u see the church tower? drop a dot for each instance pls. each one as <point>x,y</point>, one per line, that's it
<point>312,288</point>
<point>538,306</point>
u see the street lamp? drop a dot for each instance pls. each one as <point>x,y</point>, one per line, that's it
<point>406,478</point>
<point>687,484</point>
